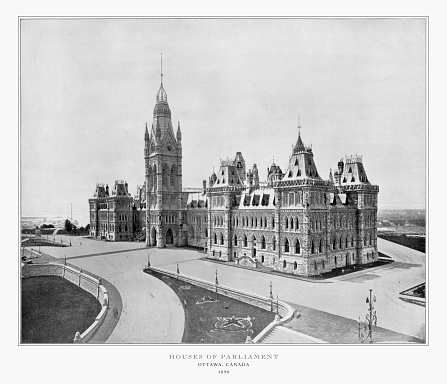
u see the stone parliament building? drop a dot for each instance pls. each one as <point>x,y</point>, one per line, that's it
<point>294,222</point>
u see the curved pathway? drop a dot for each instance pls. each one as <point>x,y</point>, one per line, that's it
<point>151,311</point>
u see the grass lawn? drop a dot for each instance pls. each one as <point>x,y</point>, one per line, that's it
<point>212,319</point>
<point>53,310</point>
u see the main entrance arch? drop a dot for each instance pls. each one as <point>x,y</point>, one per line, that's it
<point>169,237</point>
<point>153,241</point>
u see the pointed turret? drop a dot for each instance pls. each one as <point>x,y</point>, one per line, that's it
<point>179,133</point>
<point>301,163</point>
<point>146,134</point>
<point>299,146</point>
<point>331,178</point>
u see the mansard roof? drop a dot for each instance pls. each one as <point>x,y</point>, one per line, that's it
<point>353,172</point>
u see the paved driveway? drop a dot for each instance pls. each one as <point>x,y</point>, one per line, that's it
<point>152,312</point>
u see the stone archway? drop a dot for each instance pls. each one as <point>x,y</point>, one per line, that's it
<point>169,237</point>
<point>153,241</point>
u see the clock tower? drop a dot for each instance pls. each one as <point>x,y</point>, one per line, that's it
<point>163,178</point>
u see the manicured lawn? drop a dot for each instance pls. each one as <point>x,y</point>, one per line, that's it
<point>53,310</point>
<point>418,291</point>
<point>212,319</point>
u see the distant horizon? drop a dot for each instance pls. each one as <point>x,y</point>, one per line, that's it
<point>84,218</point>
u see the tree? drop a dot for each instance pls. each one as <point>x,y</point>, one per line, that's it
<point>87,228</point>
<point>68,225</point>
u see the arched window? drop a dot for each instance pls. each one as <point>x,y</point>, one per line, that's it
<point>312,247</point>
<point>347,244</point>
<point>263,242</point>
<point>262,258</point>
<point>273,222</point>
<point>297,225</point>
<point>235,240</point>
<point>335,260</point>
<point>286,245</point>
<point>245,241</point>
<point>221,239</point>
<point>125,228</point>
<point>287,223</point>
<point>215,239</point>
<point>365,241</point>
<point>291,223</point>
<point>333,243</point>
<point>341,243</point>
<point>253,241</point>
<point>320,246</point>
<point>274,243</point>
<point>297,246</point>
<point>284,264</point>
<point>206,232</point>
<point>295,266</point>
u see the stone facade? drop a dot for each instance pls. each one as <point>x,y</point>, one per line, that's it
<point>293,222</point>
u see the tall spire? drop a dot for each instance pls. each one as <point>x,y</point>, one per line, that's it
<point>161,71</point>
<point>161,95</point>
<point>299,146</point>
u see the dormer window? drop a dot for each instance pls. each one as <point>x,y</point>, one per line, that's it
<point>296,161</point>
<point>290,173</point>
<point>353,179</point>
<point>350,170</point>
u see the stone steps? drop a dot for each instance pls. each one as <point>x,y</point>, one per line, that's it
<point>282,335</point>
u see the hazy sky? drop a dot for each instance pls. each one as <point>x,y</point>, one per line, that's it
<point>88,87</point>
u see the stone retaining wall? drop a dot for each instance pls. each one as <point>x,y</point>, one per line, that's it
<point>81,279</point>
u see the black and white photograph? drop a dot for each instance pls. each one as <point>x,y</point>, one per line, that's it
<point>220,182</point>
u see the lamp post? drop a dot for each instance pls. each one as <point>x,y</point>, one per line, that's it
<point>370,320</point>
<point>148,261</point>
<point>177,271</point>
<point>217,283</point>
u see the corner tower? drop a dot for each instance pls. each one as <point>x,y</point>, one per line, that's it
<point>163,177</point>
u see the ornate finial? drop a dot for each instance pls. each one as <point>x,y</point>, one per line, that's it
<point>299,126</point>
<point>161,72</point>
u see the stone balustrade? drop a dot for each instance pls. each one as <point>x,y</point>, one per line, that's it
<point>81,279</point>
